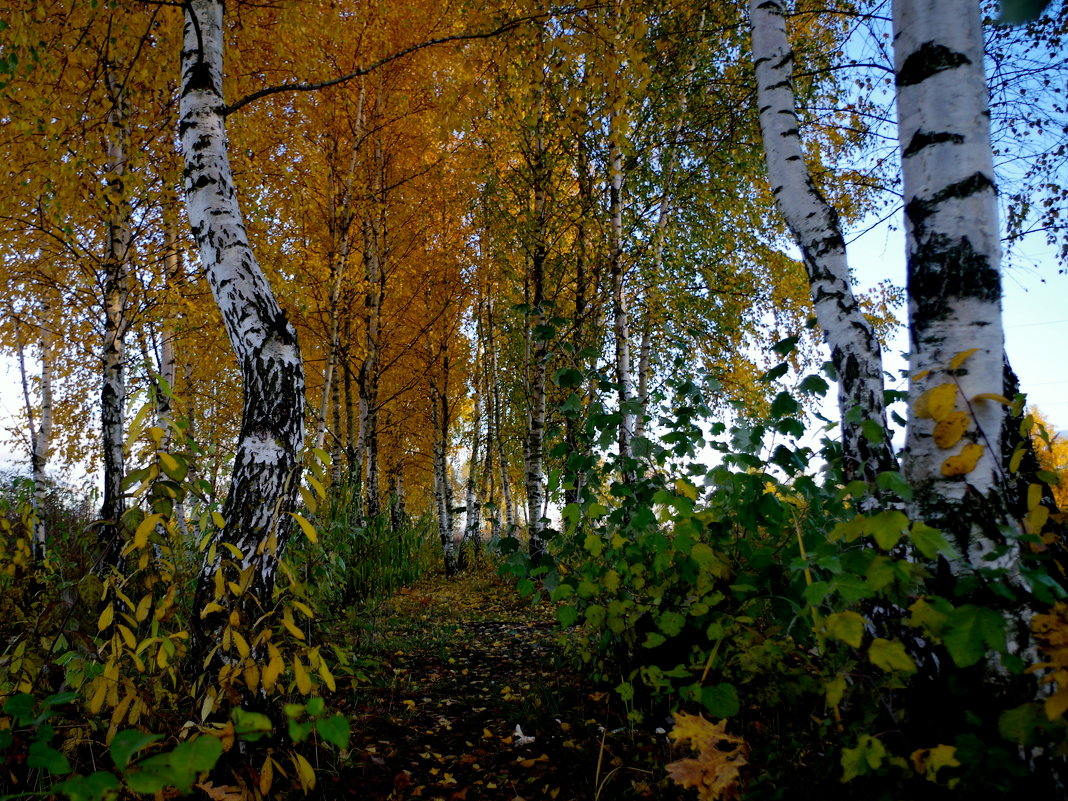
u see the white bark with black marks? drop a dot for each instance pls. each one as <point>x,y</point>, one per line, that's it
<point>814,223</point>
<point>953,252</point>
<point>266,468</point>
<point>116,282</point>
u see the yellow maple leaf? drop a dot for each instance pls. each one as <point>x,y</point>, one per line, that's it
<point>715,771</point>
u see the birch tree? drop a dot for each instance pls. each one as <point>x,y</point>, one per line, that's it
<point>264,480</point>
<point>815,225</point>
<point>953,266</point>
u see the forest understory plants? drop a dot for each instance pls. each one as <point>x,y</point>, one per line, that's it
<point>839,639</point>
<point>102,692</point>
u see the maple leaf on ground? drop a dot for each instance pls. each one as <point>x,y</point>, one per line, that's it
<point>715,770</point>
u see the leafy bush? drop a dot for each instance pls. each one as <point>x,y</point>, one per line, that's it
<point>730,579</point>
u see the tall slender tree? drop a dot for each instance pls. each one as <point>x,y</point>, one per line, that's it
<point>266,467</point>
<point>815,225</point>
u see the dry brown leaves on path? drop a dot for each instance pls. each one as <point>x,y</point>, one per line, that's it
<point>473,698</point>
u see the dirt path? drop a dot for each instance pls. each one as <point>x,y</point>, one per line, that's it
<point>460,666</point>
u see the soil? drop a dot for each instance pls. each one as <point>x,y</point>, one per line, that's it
<point>469,693</point>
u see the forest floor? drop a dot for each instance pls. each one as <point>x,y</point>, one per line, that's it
<point>470,695</point>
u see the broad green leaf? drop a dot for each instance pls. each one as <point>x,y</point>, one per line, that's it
<point>930,542</point>
<point>887,527</point>
<point>1018,725</point>
<point>670,623</point>
<point>128,742</point>
<point>862,760</point>
<point>42,755</point>
<point>594,545</point>
<point>1017,12</point>
<point>96,786</point>
<point>890,655</point>
<point>971,631</point>
<point>845,626</point>
<point>251,726</point>
<point>931,614</point>
<point>721,700</point>
<point>335,730</point>
<point>567,615</point>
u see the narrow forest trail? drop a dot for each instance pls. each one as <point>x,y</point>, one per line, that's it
<point>457,666</point>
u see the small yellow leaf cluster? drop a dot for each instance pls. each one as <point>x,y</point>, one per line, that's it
<point>951,424</point>
<point>714,772</point>
<point>1051,632</point>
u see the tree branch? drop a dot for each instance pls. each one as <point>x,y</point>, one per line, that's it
<point>459,37</point>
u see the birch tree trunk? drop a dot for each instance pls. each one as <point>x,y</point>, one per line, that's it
<point>439,415</point>
<point>954,282</point>
<point>374,253</point>
<point>538,350</point>
<point>620,314</point>
<point>40,438</point>
<point>472,539</point>
<point>116,281</point>
<point>855,350</point>
<point>266,467</point>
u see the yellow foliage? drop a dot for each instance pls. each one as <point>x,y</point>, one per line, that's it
<point>715,770</point>
<point>950,429</point>
<point>1051,632</point>
<point>964,462</point>
<point>1052,451</point>
<point>937,402</point>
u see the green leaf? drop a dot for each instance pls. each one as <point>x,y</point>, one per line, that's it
<point>778,371</point>
<point>814,385</point>
<point>971,631</point>
<point>567,377</point>
<point>20,707</point>
<point>251,726</point>
<point>573,404</point>
<point>872,431</point>
<point>670,623</point>
<point>567,615</point>
<point>128,742</point>
<point>890,655</point>
<point>930,542</point>
<point>887,527</point>
<point>1018,725</point>
<point>654,639</point>
<point>931,614</point>
<point>42,755</point>
<point>784,405</point>
<point>845,626</point>
<point>721,700</point>
<point>335,730</point>
<point>594,545</point>
<point>893,481</point>
<point>97,786</point>
<point>784,347</point>
<point>862,760</point>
